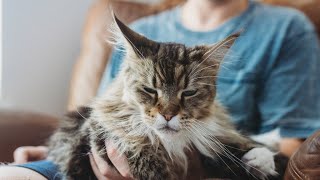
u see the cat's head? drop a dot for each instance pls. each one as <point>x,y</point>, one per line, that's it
<point>173,85</point>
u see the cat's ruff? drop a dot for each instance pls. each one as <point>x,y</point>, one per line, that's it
<point>160,107</point>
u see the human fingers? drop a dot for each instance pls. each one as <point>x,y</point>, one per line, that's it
<point>102,169</point>
<point>25,154</point>
<point>119,161</point>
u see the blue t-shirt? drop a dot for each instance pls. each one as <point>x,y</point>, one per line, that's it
<point>272,77</point>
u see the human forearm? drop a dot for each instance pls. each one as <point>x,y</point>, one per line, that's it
<point>93,58</point>
<point>288,146</point>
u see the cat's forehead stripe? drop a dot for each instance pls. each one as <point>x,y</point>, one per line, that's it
<point>168,67</point>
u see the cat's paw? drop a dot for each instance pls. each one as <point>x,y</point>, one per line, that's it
<point>260,162</point>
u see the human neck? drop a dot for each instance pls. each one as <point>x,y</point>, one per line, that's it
<point>205,15</point>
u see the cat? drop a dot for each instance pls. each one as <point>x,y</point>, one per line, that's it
<point>159,109</point>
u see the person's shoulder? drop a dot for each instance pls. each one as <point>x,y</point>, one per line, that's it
<point>153,23</point>
<point>281,16</point>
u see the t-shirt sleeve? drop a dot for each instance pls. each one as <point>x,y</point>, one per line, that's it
<point>290,92</point>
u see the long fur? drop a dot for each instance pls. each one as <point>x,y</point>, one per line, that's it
<point>132,116</point>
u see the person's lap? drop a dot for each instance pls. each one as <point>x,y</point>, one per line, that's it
<point>41,170</point>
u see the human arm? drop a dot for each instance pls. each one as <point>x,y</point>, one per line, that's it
<point>93,58</point>
<point>101,168</point>
<point>26,154</point>
<point>288,146</point>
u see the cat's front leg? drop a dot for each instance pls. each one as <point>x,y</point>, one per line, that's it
<point>246,161</point>
<point>263,163</point>
<point>260,162</point>
<point>151,164</point>
<point>69,146</point>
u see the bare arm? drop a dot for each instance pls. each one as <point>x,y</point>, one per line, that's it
<point>289,145</point>
<point>94,55</point>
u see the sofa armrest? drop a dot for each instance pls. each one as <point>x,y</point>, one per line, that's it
<point>21,128</point>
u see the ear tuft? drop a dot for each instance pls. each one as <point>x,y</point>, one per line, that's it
<point>122,27</point>
<point>218,51</point>
<point>132,42</point>
<point>229,41</point>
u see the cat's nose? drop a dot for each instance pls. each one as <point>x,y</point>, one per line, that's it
<point>168,117</point>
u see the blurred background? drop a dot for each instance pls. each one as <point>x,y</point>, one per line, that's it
<point>41,41</point>
<point>50,48</point>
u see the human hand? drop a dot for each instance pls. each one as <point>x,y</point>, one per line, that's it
<point>104,171</point>
<point>26,154</point>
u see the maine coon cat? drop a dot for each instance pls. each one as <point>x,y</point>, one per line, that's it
<point>160,108</point>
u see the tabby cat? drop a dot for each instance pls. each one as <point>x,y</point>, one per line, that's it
<point>159,109</point>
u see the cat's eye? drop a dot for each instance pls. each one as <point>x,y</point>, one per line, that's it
<point>189,93</point>
<point>149,90</point>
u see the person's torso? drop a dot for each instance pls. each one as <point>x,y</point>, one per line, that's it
<point>245,67</point>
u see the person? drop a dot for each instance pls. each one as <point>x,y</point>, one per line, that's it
<point>272,84</point>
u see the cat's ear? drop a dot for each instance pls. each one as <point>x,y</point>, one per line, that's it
<point>134,43</point>
<point>218,51</point>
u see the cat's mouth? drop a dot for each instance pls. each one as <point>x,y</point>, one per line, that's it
<point>168,130</point>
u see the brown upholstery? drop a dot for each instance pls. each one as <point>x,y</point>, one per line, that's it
<point>18,128</point>
<point>21,128</point>
<point>304,164</point>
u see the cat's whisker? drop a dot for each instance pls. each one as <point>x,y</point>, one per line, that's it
<point>234,159</point>
<point>221,129</point>
<point>198,71</point>
<point>214,85</point>
<point>216,140</point>
<point>199,126</point>
<point>213,150</point>
<point>200,77</point>
<point>203,77</point>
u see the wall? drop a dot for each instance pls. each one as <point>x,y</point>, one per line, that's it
<point>41,40</point>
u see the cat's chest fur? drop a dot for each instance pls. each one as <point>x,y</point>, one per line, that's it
<point>123,126</point>
<point>121,122</point>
